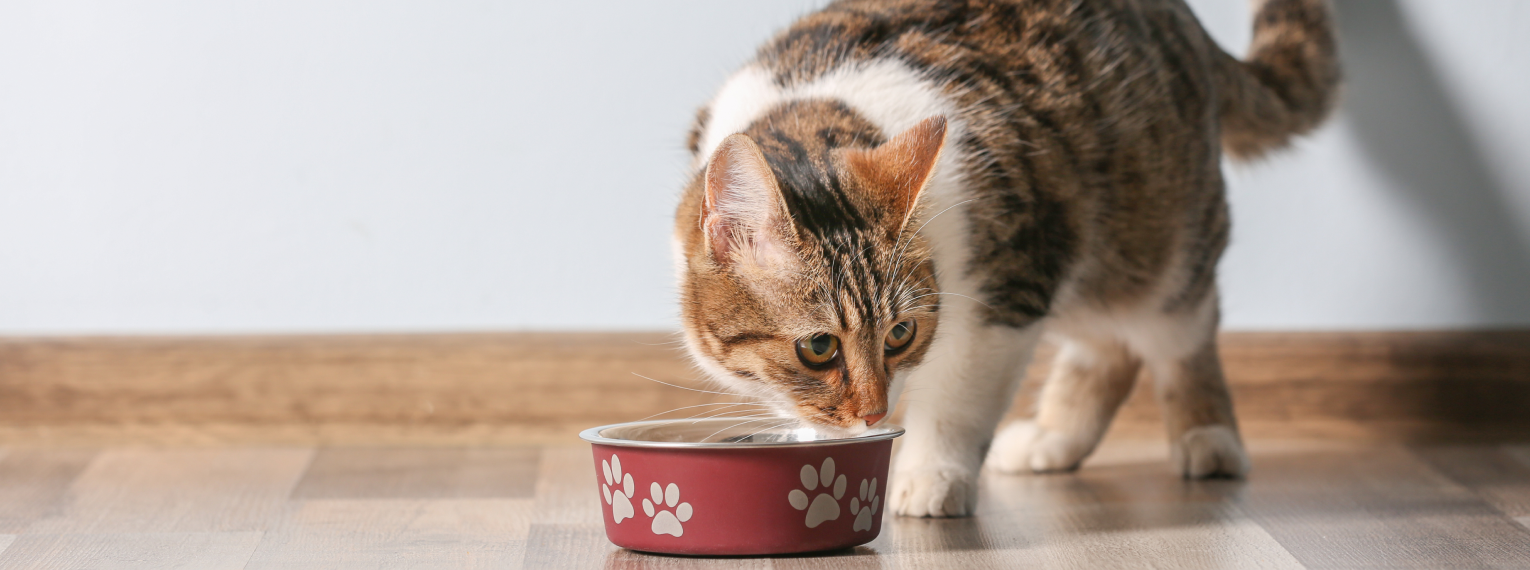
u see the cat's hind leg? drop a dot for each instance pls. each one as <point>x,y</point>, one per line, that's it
<point>1180,350</point>
<point>1091,376</point>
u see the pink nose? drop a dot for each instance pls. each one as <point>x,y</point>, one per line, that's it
<point>872,419</point>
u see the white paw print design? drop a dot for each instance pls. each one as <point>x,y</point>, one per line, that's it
<point>864,510</point>
<point>666,522</point>
<point>621,499</point>
<point>823,507</point>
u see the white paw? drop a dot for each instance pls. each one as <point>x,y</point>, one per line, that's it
<point>620,499</point>
<point>933,492</point>
<point>824,507</point>
<point>1025,446</point>
<point>865,506</point>
<point>665,522</point>
<point>1210,451</point>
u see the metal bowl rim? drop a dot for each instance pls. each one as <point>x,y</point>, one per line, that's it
<point>592,435</point>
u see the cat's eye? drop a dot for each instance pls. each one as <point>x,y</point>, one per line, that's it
<point>899,336</point>
<point>818,350</point>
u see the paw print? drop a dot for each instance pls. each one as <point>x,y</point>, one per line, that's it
<point>621,499</point>
<point>862,509</point>
<point>823,507</point>
<point>666,522</point>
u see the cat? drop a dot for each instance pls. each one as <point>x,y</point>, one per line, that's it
<point>896,198</point>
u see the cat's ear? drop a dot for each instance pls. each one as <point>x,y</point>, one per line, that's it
<point>898,171</point>
<point>743,213</point>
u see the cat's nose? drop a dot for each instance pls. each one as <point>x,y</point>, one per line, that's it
<point>872,419</point>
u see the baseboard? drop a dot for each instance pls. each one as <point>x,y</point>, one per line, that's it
<point>465,388</point>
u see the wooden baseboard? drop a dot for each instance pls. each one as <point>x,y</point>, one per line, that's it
<point>464,388</point>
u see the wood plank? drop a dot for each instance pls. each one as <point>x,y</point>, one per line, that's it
<point>302,433</point>
<point>453,388</point>
<point>1116,514</point>
<point>177,490</point>
<point>385,378</point>
<point>1490,471</point>
<point>565,491</point>
<point>561,546</point>
<point>129,551</point>
<point>33,481</point>
<point>420,473</point>
<point>397,533</point>
<point>1378,506</point>
<point>1318,504</point>
<point>1520,453</point>
<point>557,546</point>
<point>946,543</point>
<point>858,558</point>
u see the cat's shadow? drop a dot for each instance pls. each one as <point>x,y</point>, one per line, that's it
<point>1406,124</point>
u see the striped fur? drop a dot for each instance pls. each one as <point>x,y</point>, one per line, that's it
<point>1075,187</point>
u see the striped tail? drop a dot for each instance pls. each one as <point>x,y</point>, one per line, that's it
<point>1289,82</point>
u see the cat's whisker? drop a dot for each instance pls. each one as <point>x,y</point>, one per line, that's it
<point>975,300</point>
<point>747,416</point>
<point>771,427</point>
<point>709,436</point>
<point>725,404</point>
<point>788,421</point>
<point>904,288</point>
<point>909,239</point>
<point>736,395</point>
<point>904,242</point>
<point>666,343</point>
<point>748,413</point>
<point>716,413</point>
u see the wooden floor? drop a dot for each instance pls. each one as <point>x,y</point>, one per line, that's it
<point>1308,504</point>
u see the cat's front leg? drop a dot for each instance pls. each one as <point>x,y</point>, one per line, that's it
<point>954,400</point>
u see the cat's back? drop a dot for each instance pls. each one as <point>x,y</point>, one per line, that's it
<point>1085,79</point>
<point>964,39</point>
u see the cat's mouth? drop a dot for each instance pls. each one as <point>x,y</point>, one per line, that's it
<point>828,427</point>
<point>833,430</point>
<point>801,415</point>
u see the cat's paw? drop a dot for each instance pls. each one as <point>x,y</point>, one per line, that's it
<point>933,492</point>
<point>1210,451</point>
<point>1025,446</point>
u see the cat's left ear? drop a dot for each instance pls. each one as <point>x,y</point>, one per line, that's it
<point>898,171</point>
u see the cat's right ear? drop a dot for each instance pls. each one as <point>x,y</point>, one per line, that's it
<point>743,215</point>
<point>899,170</point>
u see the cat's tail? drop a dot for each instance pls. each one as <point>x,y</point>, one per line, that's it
<point>1289,82</point>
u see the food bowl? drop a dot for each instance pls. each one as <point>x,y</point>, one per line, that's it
<point>724,487</point>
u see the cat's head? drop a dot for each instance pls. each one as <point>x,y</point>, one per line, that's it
<point>803,279</point>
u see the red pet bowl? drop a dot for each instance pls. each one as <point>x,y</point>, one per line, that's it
<point>720,487</point>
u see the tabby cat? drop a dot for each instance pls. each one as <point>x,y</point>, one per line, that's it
<point>897,197</point>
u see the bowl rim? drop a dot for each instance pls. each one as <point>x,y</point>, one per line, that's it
<point>592,435</point>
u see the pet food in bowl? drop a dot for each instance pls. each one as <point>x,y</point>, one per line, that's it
<point>721,487</point>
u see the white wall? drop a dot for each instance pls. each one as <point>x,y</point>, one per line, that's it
<point>293,166</point>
